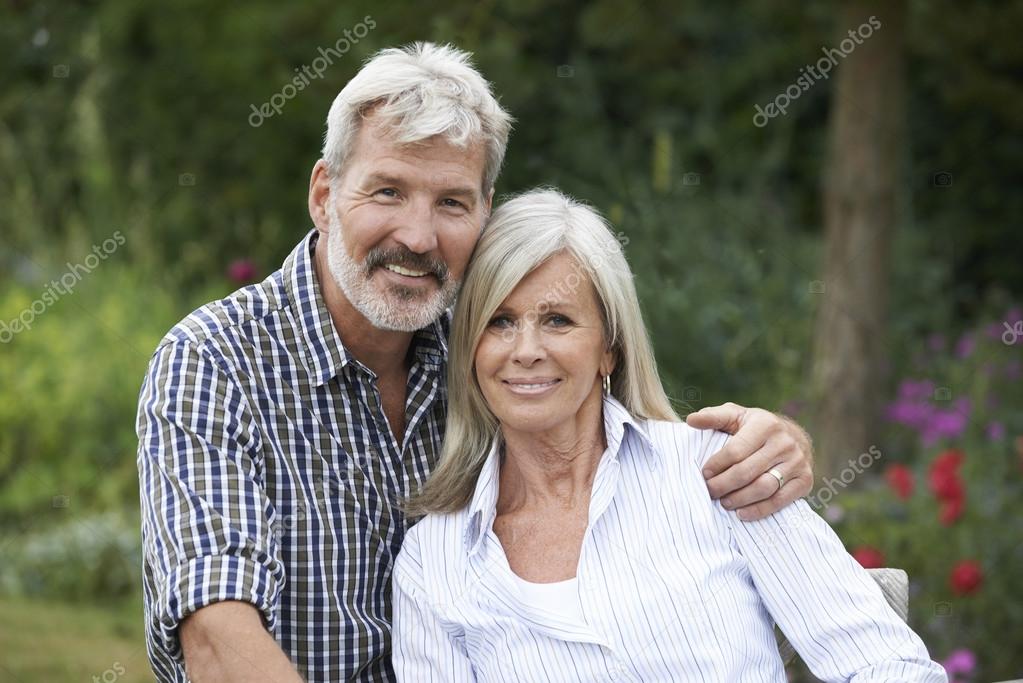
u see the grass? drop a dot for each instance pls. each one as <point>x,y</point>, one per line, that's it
<point>47,641</point>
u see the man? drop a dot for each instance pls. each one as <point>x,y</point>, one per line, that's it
<point>280,428</point>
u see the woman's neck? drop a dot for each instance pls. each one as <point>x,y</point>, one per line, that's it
<point>555,468</point>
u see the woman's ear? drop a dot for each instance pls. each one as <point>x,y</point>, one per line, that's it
<point>607,363</point>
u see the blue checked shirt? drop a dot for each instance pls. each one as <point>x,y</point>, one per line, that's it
<point>268,474</point>
<point>672,587</point>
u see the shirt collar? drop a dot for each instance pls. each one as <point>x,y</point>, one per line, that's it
<point>323,353</point>
<point>483,505</point>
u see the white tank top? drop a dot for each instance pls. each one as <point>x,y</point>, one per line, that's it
<point>561,597</point>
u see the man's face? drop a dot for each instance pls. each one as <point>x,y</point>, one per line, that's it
<point>403,223</point>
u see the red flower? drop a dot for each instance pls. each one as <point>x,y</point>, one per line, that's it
<point>951,510</point>
<point>944,475</point>
<point>966,577</point>
<point>870,558</point>
<point>950,459</point>
<point>241,271</point>
<point>900,479</point>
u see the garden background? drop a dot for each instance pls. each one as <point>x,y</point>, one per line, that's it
<point>843,247</point>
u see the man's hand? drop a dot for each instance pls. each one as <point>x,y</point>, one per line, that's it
<point>760,440</point>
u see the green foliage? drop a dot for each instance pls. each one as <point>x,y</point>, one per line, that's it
<point>71,382</point>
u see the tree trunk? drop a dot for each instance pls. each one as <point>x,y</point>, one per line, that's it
<point>860,193</point>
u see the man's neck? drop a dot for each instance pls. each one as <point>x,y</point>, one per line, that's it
<point>382,351</point>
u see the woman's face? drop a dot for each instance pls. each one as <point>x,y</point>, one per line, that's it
<point>543,353</point>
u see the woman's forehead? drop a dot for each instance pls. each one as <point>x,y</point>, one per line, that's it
<point>560,281</point>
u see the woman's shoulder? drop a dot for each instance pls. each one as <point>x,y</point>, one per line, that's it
<point>687,443</point>
<point>436,542</point>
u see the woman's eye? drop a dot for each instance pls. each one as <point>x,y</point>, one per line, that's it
<point>558,320</point>
<point>501,322</point>
<point>388,192</point>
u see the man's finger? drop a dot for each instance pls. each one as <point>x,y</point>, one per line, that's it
<point>747,441</point>
<point>792,491</point>
<point>726,417</point>
<point>743,484</point>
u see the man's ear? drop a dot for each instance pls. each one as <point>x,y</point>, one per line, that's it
<point>319,196</point>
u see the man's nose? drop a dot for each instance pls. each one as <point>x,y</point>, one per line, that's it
<point>417,229</point>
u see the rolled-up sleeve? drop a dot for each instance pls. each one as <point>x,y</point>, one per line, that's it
<point>206,521</point>
<point>831,610</point>
<point>423,649</point>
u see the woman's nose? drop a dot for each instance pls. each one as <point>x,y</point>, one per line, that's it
<point>528,347</point>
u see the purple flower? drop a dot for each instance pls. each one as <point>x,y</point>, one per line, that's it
<point>995,431</point>
<point>1012,369</point>
<point>910,389</point>
<point>961,661</point>
<point>965,346</point>
<point>994,331</point>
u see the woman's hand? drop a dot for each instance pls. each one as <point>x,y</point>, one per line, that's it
<point>761,440</point>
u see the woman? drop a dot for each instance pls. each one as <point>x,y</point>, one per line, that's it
<point>559,545</point>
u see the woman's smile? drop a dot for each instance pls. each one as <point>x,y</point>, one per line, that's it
<point>533,386</point>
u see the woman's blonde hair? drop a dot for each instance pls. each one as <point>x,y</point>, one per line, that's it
<point>522,234</point>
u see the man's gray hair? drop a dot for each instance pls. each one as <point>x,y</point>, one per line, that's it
<point>419,91</point>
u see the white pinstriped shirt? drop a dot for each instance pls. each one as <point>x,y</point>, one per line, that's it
<point>673,587</point>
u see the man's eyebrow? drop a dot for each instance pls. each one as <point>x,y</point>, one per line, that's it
<point>383,179</point>
<point>463,192</point>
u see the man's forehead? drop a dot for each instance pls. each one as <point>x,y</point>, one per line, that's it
<point>377,145</point>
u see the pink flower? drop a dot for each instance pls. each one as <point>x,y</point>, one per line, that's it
<point>961,661</point>
<point>241,271</point>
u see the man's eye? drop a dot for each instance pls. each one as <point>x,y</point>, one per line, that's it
<point>453,203</point>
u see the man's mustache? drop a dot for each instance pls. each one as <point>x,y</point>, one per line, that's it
<point>400,256</point>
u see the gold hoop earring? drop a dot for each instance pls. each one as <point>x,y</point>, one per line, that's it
<point>607,385</point>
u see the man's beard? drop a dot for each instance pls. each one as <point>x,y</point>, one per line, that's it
<point>388,307</point>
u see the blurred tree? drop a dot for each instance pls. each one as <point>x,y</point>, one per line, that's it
<point>860,200</point>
